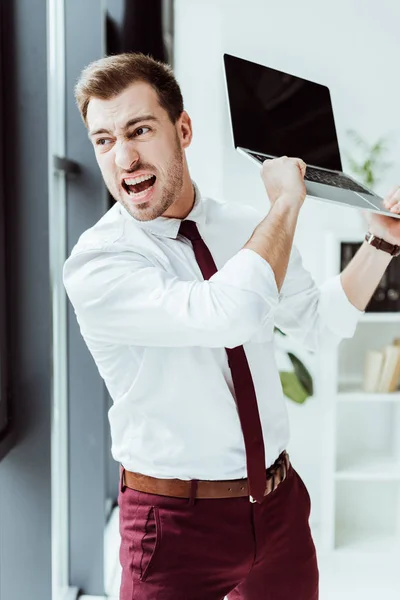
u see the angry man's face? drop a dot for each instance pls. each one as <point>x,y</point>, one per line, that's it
<point>139,150</point>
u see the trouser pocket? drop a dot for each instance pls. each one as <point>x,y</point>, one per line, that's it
<point>150,542</point>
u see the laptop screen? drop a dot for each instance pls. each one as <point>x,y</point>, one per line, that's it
<point>279,114</point>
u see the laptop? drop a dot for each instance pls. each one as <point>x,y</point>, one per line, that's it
<point>275,114</point>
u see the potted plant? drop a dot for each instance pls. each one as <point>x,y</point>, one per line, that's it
<point>371,162</point>
<point>297,384</point>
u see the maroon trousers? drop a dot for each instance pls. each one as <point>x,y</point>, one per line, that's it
<point>191,549</point>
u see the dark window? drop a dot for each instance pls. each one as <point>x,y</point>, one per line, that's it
<point>5,425</point>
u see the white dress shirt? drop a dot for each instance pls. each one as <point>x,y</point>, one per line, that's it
<point>158,332</point>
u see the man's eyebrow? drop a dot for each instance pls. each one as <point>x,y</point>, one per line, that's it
<point>128,124</point>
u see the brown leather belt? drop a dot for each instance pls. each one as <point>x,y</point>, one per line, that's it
<point>231,488</point>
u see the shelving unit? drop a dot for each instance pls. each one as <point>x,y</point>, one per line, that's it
<point>385,317</point>
<point>361,462</point>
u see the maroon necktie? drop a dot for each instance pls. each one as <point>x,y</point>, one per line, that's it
<point>242,381</point>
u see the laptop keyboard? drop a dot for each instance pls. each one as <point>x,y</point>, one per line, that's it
<point>320,176</point>
<point>334,179</point>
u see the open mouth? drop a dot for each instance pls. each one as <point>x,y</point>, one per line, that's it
<point>139,189</point>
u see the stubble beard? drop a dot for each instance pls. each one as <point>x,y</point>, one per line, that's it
<point>169,193</point>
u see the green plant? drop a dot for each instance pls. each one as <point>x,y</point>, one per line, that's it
<point>297,385</point>
<point>371,162</point>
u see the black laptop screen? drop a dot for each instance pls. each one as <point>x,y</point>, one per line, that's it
<point>276,113</point>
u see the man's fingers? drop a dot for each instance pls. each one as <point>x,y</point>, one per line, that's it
<point>392,197</point>
<point>300,162</point>
<point>302,165</point>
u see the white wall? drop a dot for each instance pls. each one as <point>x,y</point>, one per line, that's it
<point>198,56</point>
<point>353,47</point>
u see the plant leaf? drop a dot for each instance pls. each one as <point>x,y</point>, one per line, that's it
<point>302,374</point>
<point>292,387</point>
<point>277,329</point>
<point>354,165</point>
<point>380,146</point>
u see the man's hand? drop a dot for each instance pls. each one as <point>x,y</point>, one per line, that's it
<point>284,177</point>
<point>383,226</point>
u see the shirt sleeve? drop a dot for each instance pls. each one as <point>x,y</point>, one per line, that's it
<point>123,298</point>
<point>310,313</point>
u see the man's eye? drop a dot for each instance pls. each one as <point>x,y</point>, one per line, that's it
<point>141,129</point>
<point>100,141</point>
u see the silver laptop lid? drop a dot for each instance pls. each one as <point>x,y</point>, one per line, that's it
<point>276,113</point>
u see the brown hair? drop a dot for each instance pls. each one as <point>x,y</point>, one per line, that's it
<point>109,76</point>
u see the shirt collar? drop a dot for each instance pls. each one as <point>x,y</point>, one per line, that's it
<point>168,227</point>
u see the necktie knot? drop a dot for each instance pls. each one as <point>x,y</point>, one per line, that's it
<point>189,230</point>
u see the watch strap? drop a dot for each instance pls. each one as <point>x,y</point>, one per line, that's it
<point>381,244</point>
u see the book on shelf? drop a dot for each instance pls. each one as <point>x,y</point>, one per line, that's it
<point>382,369</point>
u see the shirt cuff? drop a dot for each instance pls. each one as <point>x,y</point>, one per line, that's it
<point>336,310</point>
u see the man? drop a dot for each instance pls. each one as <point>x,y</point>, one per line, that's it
<point>176,296</point>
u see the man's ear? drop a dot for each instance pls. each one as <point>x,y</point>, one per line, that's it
<point>185,132</point>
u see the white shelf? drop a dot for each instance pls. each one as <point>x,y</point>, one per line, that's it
<point>369,467</point>
<point>383,317</point>
<point>353,392</point>
<point>367,542</point>
<point>361,486</point>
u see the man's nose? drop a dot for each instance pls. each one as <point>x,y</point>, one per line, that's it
<point>126,156</point>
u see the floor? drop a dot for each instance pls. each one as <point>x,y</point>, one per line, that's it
<point>343,576</point>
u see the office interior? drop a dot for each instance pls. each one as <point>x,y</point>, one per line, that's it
<point>59,537</point>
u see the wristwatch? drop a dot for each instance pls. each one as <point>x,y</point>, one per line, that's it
<point>380,244</point>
